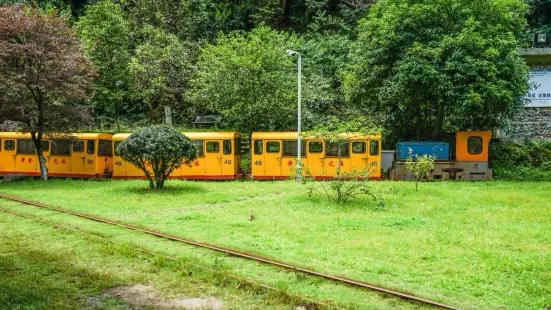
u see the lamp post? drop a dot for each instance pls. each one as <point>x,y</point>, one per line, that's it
<point>299,164</point>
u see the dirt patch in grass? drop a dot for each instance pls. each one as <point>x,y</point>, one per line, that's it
<point>146,296</point>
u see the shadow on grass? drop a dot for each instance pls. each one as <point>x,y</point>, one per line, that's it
<point>173,188</point>
<point>33,279</point>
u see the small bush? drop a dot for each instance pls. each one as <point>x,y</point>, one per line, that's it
<point>157,151</point>
<point>420,166</point>
<point>526,161</point>
<point>341,188</point>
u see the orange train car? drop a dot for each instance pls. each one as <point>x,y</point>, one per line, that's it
<point>273,155</point>
<point>218,158</point>
<point>79,155</point>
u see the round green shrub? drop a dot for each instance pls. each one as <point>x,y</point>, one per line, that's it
<point>157,151</point>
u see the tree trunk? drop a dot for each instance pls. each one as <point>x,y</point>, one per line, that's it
<point>117,112</point>
<point>439,124</point>
<point>339,161</point>
<point>37,140</point>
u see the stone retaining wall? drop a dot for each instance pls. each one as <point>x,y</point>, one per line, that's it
<point>532,123</point>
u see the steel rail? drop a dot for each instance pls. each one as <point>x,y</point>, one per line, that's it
<point>239,254</point>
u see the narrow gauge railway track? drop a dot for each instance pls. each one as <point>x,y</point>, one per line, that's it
<point>240,254</point>
<point>302,299</point>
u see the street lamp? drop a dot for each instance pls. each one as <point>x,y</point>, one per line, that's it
<point>299,165</point>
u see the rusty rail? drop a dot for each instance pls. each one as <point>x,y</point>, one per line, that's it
<point>239,254</point>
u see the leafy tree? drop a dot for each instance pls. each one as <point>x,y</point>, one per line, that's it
<point>157,150</point>
<point>420,166</point>
<point>160,69</point>
<point>325,55</point>
<point>249,79</point>
<point>105,34</point>
<point>43,74</point>
<point>442,65</point>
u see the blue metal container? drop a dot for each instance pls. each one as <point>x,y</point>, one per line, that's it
<point>439,149</point>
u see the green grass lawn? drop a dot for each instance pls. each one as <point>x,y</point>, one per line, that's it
<point>473,245</point>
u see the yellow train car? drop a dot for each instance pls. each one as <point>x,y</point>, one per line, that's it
<point>218,158</point>
<point>79,155</point>
<point>273,155</point>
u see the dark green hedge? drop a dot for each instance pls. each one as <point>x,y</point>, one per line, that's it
<point>529,160</point>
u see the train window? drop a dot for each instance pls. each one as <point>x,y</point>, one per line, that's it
<point>358,147</point>
<point>332,149</point>
<point>290,148</point>
<point>78,147</point>
<point>105,148</point>
<point>373,148</point>
<point>9,145</point>
<point>272,147</point>
<point>25,146</point>
<point>474,145</point>
<point>115,148</point>
<point>213,147</point>
<point>199,146</point>
<point>91,147</point>
<point>257,147</point>
<point>315,147</point>
<point>61,147</point>
<point>226,145</point>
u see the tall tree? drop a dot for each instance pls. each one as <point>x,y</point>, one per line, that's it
<point>105,34</point>
<point>434,66</point>
<point>160,69</point>
<point>43,74</point>
<point>249,79</point>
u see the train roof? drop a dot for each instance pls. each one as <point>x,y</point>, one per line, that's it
<point>49,136</point>
<point>290,135</point>
<point>200,135</point>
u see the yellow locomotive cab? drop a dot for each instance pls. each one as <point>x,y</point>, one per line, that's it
<point>79,155</point>
<point>218,157</point>
<point>273,155</point>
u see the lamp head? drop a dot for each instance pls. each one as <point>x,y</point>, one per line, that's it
<point>290,52</point>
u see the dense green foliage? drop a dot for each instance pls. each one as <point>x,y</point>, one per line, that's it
<point>248,78</point>
<point>157,151</point>
<point>105,34</point>
<point>439,66</point>
<point>527,160</point>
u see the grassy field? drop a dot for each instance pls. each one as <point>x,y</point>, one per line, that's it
<point>473,245</point>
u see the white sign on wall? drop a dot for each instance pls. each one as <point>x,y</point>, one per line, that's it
<point>539,94</point>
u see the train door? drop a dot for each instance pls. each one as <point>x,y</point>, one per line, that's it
<point>119,165</point>
<point>257,158</point>
<point>272,158</point>
<point>316,159</point>
<point>9,155</point>
<point>213,158</point>
<point>59,160</point>
<point>332,157</point>
<point>78,159</point>
<point>374,159</point>
<point>228,158</point>
<point>358,156</point>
